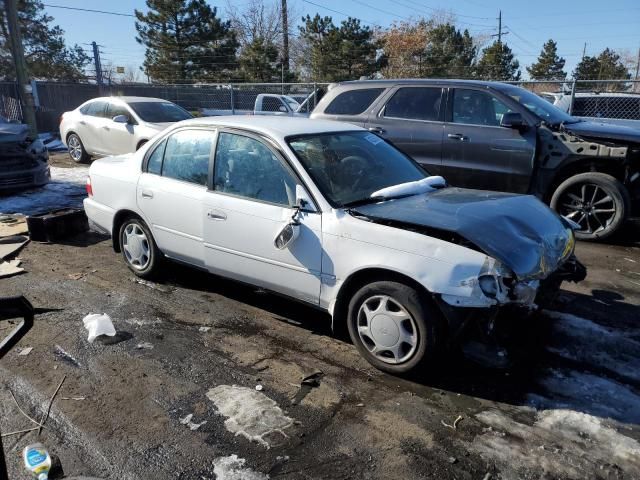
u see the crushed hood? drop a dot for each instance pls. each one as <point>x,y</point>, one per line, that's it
<point>519,230</point>
<point>13,132</point>
<point>604,131</point>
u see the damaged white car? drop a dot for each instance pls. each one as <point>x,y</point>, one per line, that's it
<point>335,216</point>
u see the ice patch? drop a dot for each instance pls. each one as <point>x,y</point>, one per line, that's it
<point>250,413</point>
<point>66,189</point>
<point>559,443</point>
<point>587,342</point>
<point>232,468</point>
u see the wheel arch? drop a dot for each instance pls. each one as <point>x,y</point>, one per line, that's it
<point>609,166</point>
<point>360,278</point>
<point>141,143</point>
<point>118,220</point>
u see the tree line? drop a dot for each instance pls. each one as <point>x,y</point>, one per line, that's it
<point>189,41</point>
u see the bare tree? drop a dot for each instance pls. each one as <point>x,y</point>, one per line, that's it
<point>130,75</point>
<point>256,20</point>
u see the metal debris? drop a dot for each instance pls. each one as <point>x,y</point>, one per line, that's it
<point>62,354</point>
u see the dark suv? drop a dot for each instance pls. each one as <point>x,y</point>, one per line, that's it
<point>496,136</point>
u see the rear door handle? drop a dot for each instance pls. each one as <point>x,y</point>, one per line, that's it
<point>216,215</point>
<point>376,130</point>
<point>457,136</point>
<point>147,194</point>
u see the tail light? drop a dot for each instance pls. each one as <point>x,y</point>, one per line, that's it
<point>89,188</point>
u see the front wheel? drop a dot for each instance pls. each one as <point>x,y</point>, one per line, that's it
<point>393,326</point>
<point>139,248</point>
<point>598,202</point>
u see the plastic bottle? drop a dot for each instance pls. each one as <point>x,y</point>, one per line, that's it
<point>37,460</point>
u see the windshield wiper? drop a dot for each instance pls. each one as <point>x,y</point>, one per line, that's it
<point>364,201</point>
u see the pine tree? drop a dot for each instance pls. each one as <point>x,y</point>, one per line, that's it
<point>186,41</point>
<point>497,63</point>
<point>606,66</point>
<point>321,48</point>
<point>549,65</point>
<point>46,54</point>
<point>448,53</point>
<point>358,51</point>
<point>259,62</point>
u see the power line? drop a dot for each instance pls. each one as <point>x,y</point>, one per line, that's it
<point>89,10</point>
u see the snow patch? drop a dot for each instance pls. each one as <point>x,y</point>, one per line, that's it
<point>65,190</point>
<point>250,413</point>
<point>232,468</point>
<point>558,443</point>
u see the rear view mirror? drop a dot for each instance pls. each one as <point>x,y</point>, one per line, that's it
<point>10,308</point>
<point>121,119</point>
<point>287,235</point>
<point>512,120</point>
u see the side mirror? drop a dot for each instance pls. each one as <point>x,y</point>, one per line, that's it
<point>512,120</point>
<point>287,235</point>
<point>282,108</point>
<point>121,119</point>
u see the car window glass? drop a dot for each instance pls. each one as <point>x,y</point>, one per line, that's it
<point>415,104</point>
<point>115,110</point>
<point>476,107</point>
<point>246,167</point>
<point>186,156</point>
<point>96,109</point>
<point>353,102</point>
<point>154,163</point>
<point>271,104</point>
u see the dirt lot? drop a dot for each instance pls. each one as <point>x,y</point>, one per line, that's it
<point>572,410</point>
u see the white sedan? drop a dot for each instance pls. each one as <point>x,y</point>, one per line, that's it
<point>115,125</point>
<point>334,216</point>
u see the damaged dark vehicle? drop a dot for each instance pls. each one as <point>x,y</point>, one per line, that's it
<point>496,136</point>
<point>24,160</point>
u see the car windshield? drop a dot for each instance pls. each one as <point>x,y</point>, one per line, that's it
<point>293,104</point>
<point>349,166</point>
<point>537,105</point>
<point>159,112</point>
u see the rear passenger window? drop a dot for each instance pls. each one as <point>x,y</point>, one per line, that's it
<point>154,164</point>
<point>353,102</point>
<point>96,109</point>
<point>415,104</point>
<point>186,156</point>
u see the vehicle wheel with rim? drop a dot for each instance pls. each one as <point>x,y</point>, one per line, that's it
<point>598,202</point>
<point>76,149</point>
<point>139,248</point>
<point>393,326</point>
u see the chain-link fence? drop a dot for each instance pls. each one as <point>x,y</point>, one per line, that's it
<point>9,102</point>
<point>608,100</point>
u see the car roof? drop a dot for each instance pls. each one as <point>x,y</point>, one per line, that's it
<point>418,81</point>
<point>130,99</point>
<point>272,125</point>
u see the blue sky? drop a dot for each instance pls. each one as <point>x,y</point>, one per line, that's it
<point>614,24</point>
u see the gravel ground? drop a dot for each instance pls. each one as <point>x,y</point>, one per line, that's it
<point>571,410</point>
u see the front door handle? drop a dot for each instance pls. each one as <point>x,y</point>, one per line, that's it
<point>216,215</point>
<point>457,136</point>
<point>147,194</point>
<point>376,130</point>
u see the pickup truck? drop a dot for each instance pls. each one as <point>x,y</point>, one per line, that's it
<point>265,104</point>
<point>494,136</point>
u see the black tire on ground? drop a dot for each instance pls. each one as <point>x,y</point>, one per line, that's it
<point>139,249</point>
<point>76,149</point>
<point>598,202</point>
<point>425,316</point>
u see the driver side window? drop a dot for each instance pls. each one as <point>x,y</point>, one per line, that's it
<point>476,107</point>
<point>245,167</point>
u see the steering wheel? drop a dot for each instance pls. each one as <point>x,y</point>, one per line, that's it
<point>354,168</point>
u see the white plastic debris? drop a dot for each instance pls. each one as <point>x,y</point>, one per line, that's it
<point>98,324</point>
<point>25,351</point>
<point>204,329</point>
<point>144,346</point>
<point>192,425</point>
<point>259,388</point>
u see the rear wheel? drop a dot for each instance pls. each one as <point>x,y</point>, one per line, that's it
<point>393,326</point>
<point>139,248</point>
<point>598,202</point>
<point>76,149</point>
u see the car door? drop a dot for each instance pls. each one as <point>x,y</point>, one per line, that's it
<point>89,126</point>
<point>171,191</point>
<point>477,152</point>
<point>251,201</point>
<point>118,137</point>
<point>412,120</point>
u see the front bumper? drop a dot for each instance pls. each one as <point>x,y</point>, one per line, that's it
<point>25,178</point>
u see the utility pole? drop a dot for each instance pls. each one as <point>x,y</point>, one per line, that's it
<point>24,87</point>
<point>500,32</point>
<point>285,39</point>
<point>96,61</point>
<point>584,50</point>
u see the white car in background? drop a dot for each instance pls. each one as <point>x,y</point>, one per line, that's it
<point>333,215</point>
<point>115,125</point>
<point>618,108</point>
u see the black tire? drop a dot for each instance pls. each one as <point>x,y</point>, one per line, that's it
<point>599,219</point>
<point>148,269</point>
<point>426,318</point>
<point>76,149</point>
